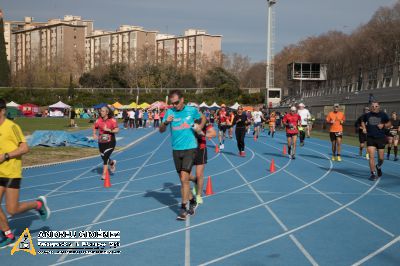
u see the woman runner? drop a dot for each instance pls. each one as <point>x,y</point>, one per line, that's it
<point>241,121</point>
<point>107,127</point>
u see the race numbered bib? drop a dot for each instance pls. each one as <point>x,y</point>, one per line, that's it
<point>105,138</point>
<point>339,134</point>
<point>393,131</point>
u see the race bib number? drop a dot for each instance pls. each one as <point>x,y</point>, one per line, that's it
<point>105,138</point>
<point>393,132</point>
<point>339,134</point>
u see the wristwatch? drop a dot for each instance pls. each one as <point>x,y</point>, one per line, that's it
<point>6,156</point>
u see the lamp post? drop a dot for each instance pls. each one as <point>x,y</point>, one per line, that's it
<point>269,67</point>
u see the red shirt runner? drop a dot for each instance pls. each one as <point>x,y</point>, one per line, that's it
<point>292,120</point>
<point>201,140</point>
<point>100,124</point>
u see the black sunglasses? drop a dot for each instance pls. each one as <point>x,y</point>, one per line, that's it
<point>176,102</point>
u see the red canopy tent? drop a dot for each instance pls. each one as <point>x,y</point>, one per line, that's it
<point>29,109</point>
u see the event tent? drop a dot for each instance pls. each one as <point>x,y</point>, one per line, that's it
<point>235,106</point>
<point>144,105</point>
<point>133,105</point>
<point>203,105</point>
<point>57,109</point>
<point>214,106</point>
<point>12,104</point>
<point>117,105</point>
<point>99,106</point>
<point>29,109</point>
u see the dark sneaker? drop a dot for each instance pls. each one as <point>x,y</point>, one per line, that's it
<point>44,211</point>
<point>388,157</point>
<point>192,208</point>
<point>301,144</point>
<point>379,170</point>
<point>396,159</point>
<point>293,157</point>
<point>6,242</point>
<point>182,214</point>
<point>373,177</point>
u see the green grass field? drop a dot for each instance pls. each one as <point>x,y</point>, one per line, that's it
<point>28,125</point>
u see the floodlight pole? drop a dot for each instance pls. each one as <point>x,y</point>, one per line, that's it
<point>269,48</point>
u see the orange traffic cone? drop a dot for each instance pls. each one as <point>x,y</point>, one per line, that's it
<point>284,150</point>
<point>216,148</point>
<point>272,166</point>
<point>209,190</point>
<point>107,182</point>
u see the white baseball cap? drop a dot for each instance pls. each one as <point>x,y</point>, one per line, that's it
<point>293,108</point>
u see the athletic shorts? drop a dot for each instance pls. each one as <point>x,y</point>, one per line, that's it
<point>334,135</point>
<point>258,124</point>
<point>362,137</point>
<point>222,128</point>
<point>201,157</point>
<point>378,143</point>
<point>184,159</point>
<point>10,182</point>
<point>289,135</point>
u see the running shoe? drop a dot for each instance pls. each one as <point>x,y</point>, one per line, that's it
<point>113,166</point>
<point>243,154</point>
<point>339,159</point>
<point>388,157</point>
<point>293,157</point>
<point>333,158</point>
<point>103,177</point>
<point>378,170</point>
<point>301,144</point>
<point>192,208</point>
<point>44,211</point>
<point>367,156</point>
<point>395,159</point>
<point>6,242</point>
<point>199,199</point>
<point>222,146</point>
<point>182,214</point>
<point>373,177</point>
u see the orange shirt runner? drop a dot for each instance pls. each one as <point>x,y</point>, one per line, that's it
<point>337,119</point>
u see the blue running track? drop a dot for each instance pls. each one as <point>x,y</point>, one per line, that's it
<point>311,211</point>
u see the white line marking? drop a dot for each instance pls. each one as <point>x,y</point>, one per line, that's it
<point>376,252</point>
<point>187,242</point>
<point>105,209</point>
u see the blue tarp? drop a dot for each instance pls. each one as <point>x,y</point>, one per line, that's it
<point>57,138</point>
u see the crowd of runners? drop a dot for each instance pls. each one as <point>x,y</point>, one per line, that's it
<point>190,128</point>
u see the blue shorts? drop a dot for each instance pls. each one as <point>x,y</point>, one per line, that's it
<point>258,124</point>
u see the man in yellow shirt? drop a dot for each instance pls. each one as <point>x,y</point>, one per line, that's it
<point>336,120</point>
<point>13,146</point>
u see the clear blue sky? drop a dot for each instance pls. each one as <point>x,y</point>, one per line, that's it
<point>242,23</point>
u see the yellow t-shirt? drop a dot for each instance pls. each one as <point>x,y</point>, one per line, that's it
<point>10,138</point>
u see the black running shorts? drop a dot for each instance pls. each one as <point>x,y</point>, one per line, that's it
<point>201,157</point>
<point>334,135</point>
<point>184,159</point>
<point>10,182</point>
<point>290,135</point>
<point>362,137</point>
<point>222,128</point>
<point>378,143</point>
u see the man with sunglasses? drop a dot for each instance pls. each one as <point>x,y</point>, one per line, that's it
<point>336,120</point>
<point>181,119</point>
<point>374,125</point>
<point>292,121</point>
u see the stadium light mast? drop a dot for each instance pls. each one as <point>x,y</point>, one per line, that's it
<point>269,77</point>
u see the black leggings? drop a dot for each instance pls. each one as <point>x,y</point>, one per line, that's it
<point>106,149</point>
<point>240,133</point>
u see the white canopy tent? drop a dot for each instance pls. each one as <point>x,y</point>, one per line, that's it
<point>12,104</point>
<point>235,106</point>
<point>57,109</point>
<point>193,104</point>
<point>203,105</point>
<point>215,105</point>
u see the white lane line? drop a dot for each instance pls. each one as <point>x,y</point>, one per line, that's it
<point>187,242</point>
<point>393,194</point>
<point>197,225</point>
<point>365,219</point>
<point>292,230</point>
<point>273,214</point>
<point>376,252</point>
<point>105,209</point>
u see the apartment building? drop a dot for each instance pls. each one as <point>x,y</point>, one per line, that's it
<point>126,45</point>
<point>55,43</point>
<point>190,51</point>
